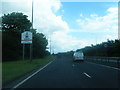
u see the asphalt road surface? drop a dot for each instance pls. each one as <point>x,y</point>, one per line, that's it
<point>63,72</point>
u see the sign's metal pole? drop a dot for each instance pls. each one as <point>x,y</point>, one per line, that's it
<point>31,31</point>
<point>23,51</point>
<point>30,53</point>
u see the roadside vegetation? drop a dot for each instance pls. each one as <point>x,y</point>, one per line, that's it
<point>13,67</point>
<point>111,48</point>
<point>13,70</point>
<point>13,24</point>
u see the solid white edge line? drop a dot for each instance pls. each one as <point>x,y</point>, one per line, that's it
<point>87,75</point>
<point>104,65</point>
<point>31,75</point>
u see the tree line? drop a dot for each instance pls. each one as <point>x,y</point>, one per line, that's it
<point>111,48</point>
<point>13,25</point>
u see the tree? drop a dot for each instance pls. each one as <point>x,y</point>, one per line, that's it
<point>16,22</point>
<point>39,44</point>
<point>111,48</point>
<point>12,26</point>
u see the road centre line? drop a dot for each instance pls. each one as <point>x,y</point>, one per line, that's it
<point>87,75</point>
<point>31,75</point>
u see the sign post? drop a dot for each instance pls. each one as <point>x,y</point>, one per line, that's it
<point>23,51</point>
<point>26,38</point>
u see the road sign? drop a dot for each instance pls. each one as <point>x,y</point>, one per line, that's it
<point>26,37</point>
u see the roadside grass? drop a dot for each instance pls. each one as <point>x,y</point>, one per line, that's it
<point>0,75</point>
<point>15,69</point>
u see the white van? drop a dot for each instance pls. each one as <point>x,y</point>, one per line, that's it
<point>78,55</point>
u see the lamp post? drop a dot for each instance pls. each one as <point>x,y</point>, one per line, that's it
<point>119,20</point>
<point>31,31</point>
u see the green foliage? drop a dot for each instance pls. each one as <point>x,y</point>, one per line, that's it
<point>39,42</point>
<point>111,48</point>
<point>15,22</point>
<point>11,47</point>
<point>22,68</point>
<point>13,25</point>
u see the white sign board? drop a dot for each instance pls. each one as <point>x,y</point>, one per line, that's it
<point>26,37</point>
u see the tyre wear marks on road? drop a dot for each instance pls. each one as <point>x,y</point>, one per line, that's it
<point>87,75</point>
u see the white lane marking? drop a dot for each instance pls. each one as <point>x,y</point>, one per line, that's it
<point>31,75</point>
<point>87,75</point>
<point>105,66</point>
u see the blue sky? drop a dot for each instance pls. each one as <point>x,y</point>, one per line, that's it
<point>72,10</point>
<point>71,25</point>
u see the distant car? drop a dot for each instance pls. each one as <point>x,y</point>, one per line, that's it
<point>78,56</point>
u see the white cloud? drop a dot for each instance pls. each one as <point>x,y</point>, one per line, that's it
<point>107,23</point>
<point>47,22</point>
<point>81,15</point>
<point>93,15</point>
<point>64,42</point>
<point>44,17</point>
<point>24,6</point>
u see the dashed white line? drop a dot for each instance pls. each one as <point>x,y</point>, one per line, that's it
<point>87,75</point>
<point>31,75</point>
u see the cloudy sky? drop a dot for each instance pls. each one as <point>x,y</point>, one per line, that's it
<point>70,25</point>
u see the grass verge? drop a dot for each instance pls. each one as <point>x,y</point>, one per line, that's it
<point>0,75</point>
<point>15,69</point>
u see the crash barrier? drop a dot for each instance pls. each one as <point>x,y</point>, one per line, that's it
<point>112,61</point>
